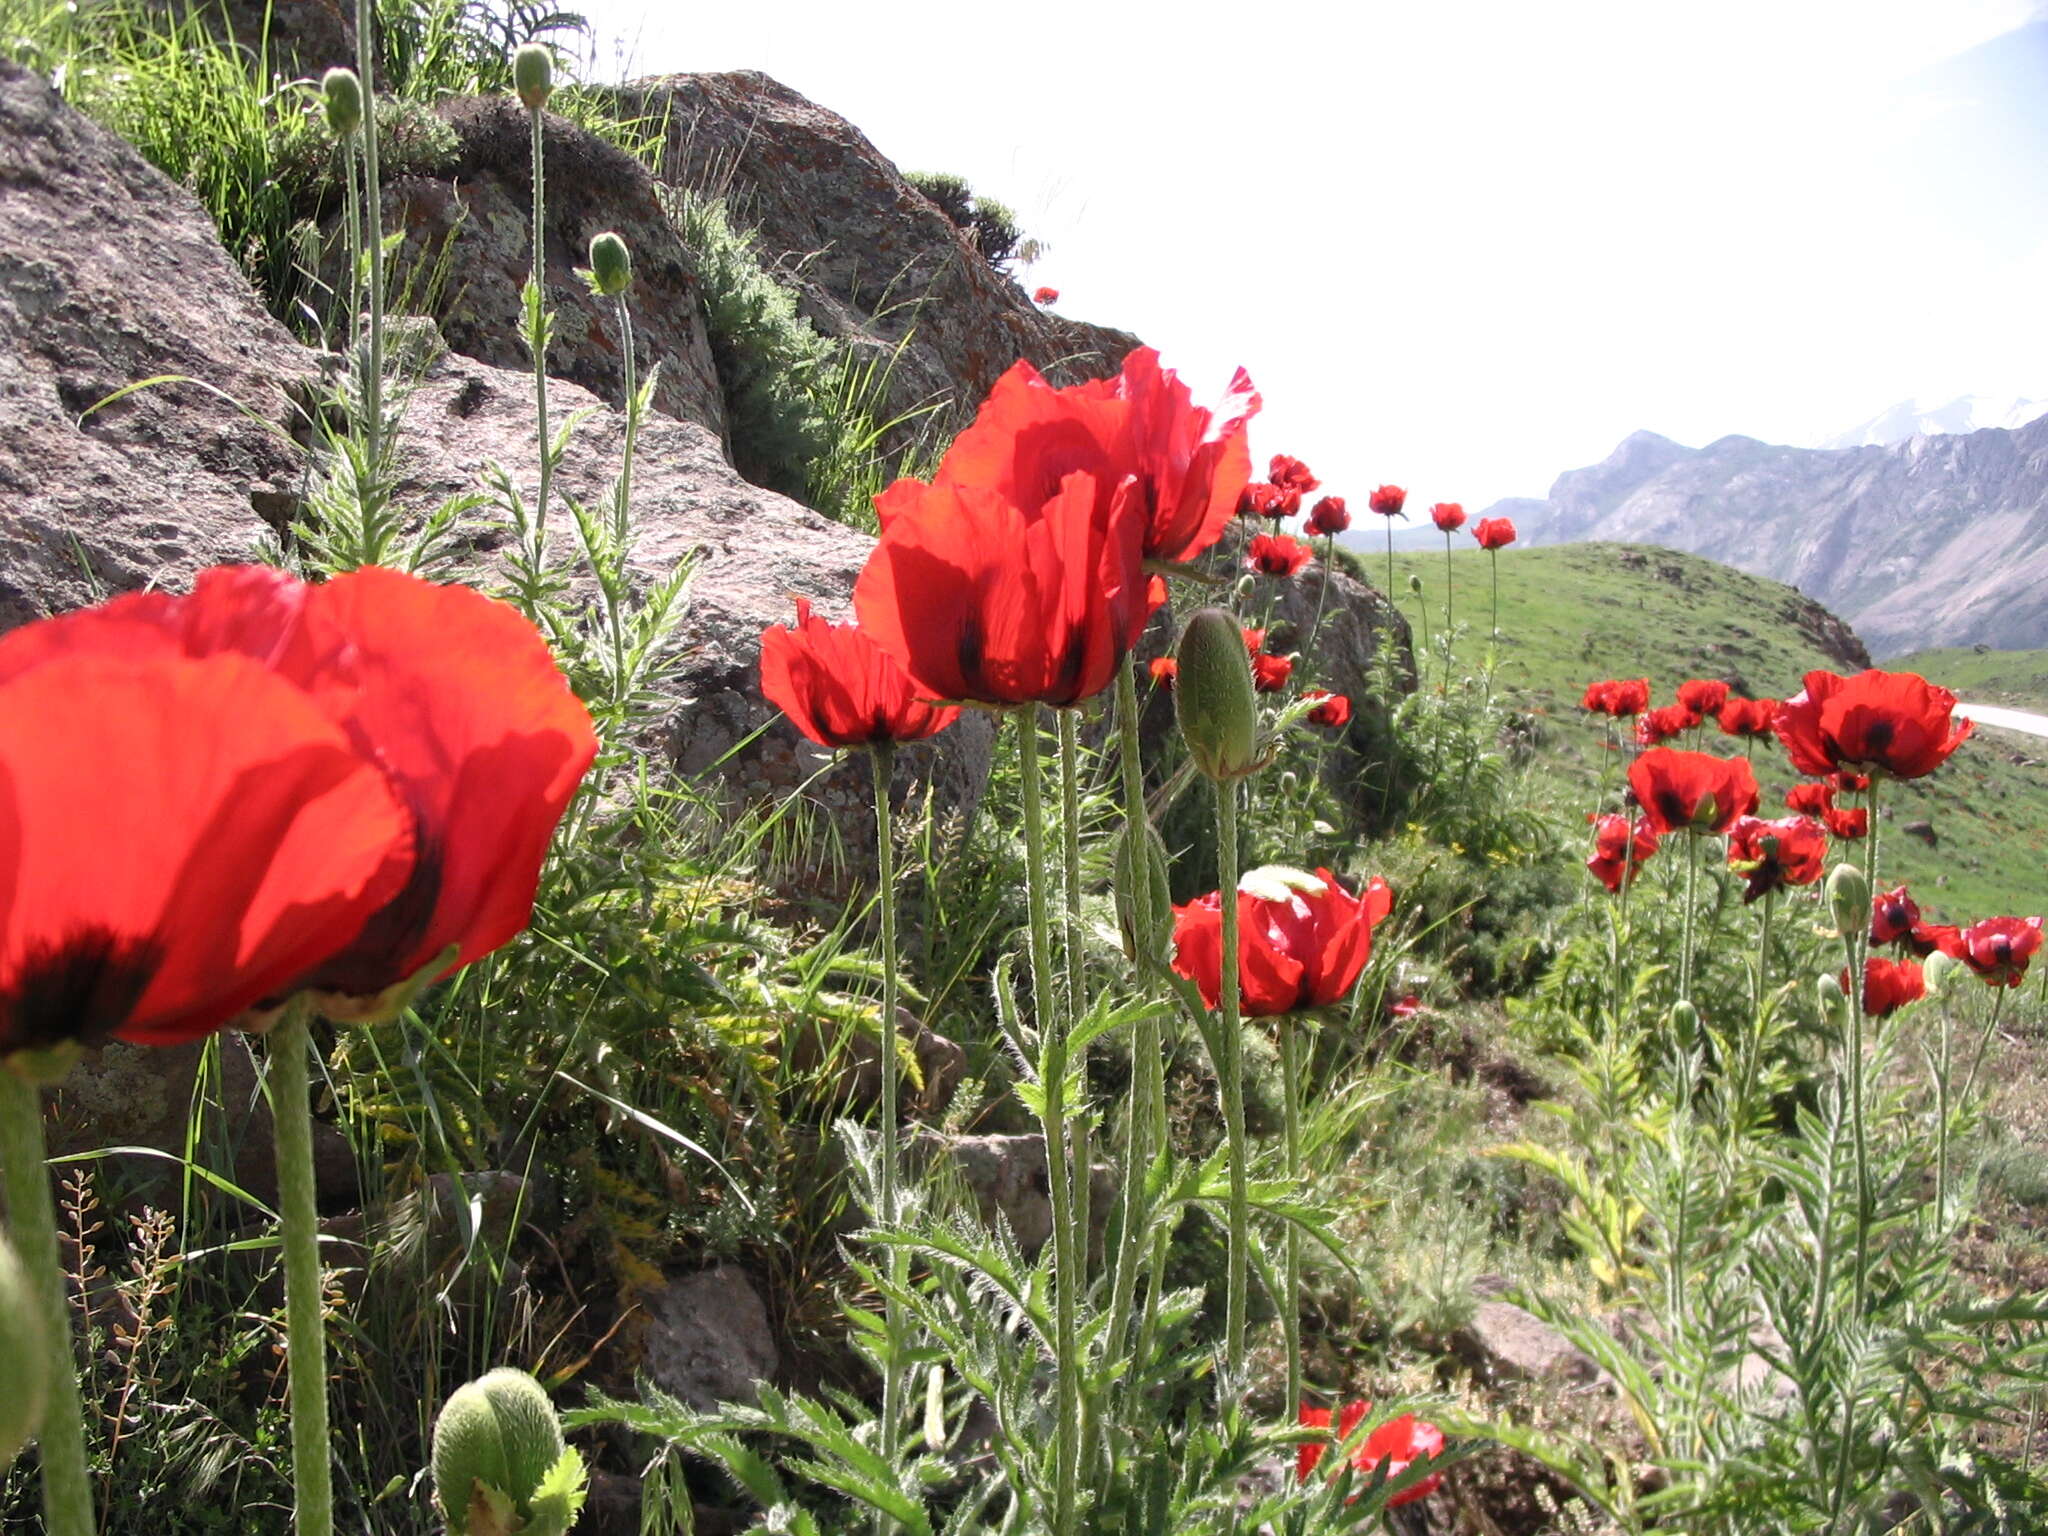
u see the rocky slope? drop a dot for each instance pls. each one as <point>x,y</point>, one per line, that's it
<point>1934,541</point>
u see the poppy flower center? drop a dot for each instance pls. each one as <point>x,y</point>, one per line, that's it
<point>82,989</point>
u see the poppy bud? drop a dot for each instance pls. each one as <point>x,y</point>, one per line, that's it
<point>1939,969</point>
<point>344,93</point>
<point>1143,841</point>
<point>611,264</point>
<point>935,1409</point>
<point>500,1467</point>
<point>1834,1003</point>
<point>1212,696</point>
<point>1848,899</point>
<point>1685,1023</point>
<point>1289,782</point>
<point>1415,583</point>
<point>533,76</point>
<point>24,1345</point>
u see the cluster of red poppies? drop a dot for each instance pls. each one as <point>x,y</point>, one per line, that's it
<point>1026,569</point>
<point>1840,731</point>
<point>211,803</point>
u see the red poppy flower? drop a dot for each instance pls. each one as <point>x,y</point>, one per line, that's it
<point>1897,722</point>
<point>1254,641</point>
<point>1996,948</point>
<point>1893,916</point>
<point>1494,532</point>
<point>1747,717</point>
<point>1270,673</point>
<point>1262,500</point>
<point>1164,670</point>
<point>840,688</point>
<point>1845,824</point>
<point>1663,723</point>
<point>1275,554</point>
<point>1692,791</point>
<point>1619,853</point>
<point>1302,940</point>
<point>1449,516</point>
<point>1046,296</point>
<point>465,709</point>
<point>1846,783</point>
<point>1394,1445</point>
<point>1888,985</point>
<point>456,698</point>
<point>1404,1007</point>
<point>1703,696</point>
<point>1619,697</point>
<point>1926,938</point>
<point>180,838</point>
<point>1291,475</point>
<point>1329,517</point>
<point>1190,463</point>
<point>1809,799</point>
<point>977,598</point>
<point>1773,854</point>
<point>1388,501</point>
<point>1332,709</point>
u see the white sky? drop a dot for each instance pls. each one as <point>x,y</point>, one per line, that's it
<point>1466,244</point>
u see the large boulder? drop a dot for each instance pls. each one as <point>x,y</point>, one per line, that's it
<point>468,252</point>
<point>871,258</point>
<point>111,274</point>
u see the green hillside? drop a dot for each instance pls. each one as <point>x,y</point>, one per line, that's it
<point>1570,614</point>
<point>2015,678</point>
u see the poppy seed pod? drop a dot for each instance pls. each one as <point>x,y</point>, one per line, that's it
<point>344,96</point>
<point>611,264</point>
<point>533,76</point>
<point>1848,899</point>
<point>498,1460</point>
<point>1212,696</point>
<point>24,1345</point>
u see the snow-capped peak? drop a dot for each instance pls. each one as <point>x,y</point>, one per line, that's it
<point>1917,418</point>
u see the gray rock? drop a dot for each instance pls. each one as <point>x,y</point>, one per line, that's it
<point>1505,1343</point>
<point>1006,1176</point>
<point>707,1339</point>
<point>869,256</point>
<point>111,274</point>
<point>475,216</point>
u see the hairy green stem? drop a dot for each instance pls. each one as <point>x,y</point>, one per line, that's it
<point>373,207</point>
<point>1230,1087</point>
<point>1449,627</point>
<point>1145,1116</point>
<point>882,758</point>
<point>1052,1119</point>
<point>1290,1283</point>
<point>1858,944</point>
<point>1391,599</point>
<point>1070,883</point>
<point>291,1045</point>
<point>537,319</point>
<point>1692,877</point>
<point>32,1219</point>
<point>1983,1044</point>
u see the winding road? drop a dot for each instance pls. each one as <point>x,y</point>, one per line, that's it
<point>2006,719</point>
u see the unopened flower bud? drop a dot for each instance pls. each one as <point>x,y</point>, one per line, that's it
<point>1685,1023</point>
<point>1848,900</point>
<point>1938,970</point>
<point>1147,892</point>
<point>500,1468</point>
<point>26,1349</point>
<point>344,96</point>
<point>1414,583</point>
<point>611,264</point>
<point>1289,782</point>
<point>533,76</point>
<point>1212,696</point>
<point>1834,1003</point>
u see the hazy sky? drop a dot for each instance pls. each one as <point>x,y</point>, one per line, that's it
<point>1466,244</point>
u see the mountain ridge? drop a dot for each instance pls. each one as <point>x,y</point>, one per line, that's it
<point>1936,541</point>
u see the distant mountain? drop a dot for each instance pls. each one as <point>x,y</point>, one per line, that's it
<point>1939,540</point>
<point>1916,418</point>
